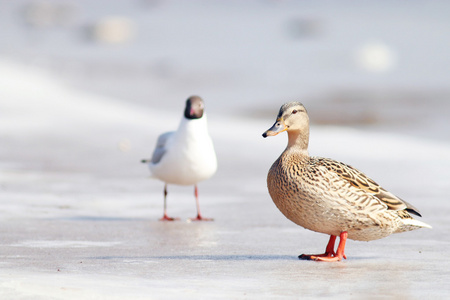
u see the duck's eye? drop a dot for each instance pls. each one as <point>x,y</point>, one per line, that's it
<point>294,111</point>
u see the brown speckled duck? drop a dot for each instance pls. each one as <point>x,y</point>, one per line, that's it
<point>328,196</point>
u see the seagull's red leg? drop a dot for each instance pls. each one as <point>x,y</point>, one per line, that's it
<point>165,216</point>
<point>340,250</point>
<point>329,251</point>
<point>199,215</point>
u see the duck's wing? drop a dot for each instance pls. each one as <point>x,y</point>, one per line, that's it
<point>359,180</point>
<point>161,147</point>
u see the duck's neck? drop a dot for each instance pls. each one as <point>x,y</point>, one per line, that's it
<point>298,141</point>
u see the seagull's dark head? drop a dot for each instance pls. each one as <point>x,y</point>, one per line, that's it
<point>194,108</point>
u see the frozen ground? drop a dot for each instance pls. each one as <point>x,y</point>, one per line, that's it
<point>79,215</point>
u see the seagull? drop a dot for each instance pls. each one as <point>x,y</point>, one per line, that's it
<point>330,197</point>
<point>185,156</point>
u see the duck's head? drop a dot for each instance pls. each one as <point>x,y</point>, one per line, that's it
<point>194,108</point>
<point>292,117</point>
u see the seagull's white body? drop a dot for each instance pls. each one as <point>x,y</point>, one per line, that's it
<point>185,156</point>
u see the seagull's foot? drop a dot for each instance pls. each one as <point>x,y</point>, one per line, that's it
<point>167,218</point>
<point>200,218</point>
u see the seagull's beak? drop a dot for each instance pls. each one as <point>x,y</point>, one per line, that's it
<point>278,127</point>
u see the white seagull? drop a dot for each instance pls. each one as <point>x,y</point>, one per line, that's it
<point>185,156</point>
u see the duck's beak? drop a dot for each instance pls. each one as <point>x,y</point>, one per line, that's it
<point>278,127</point>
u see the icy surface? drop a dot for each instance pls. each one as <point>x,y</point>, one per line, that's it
<point>79,215</point>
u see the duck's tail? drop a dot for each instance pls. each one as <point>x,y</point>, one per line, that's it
<point>412,224</point>
<point>416,223</point>
<point>408,223</point>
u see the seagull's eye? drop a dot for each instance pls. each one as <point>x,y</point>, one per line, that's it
<point>294,111</point>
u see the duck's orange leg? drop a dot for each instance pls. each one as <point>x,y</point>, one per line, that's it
<point>329,251</point>
<point>329,254</point>
<point>340,250</point>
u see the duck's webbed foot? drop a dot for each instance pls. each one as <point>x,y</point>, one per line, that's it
<point>329,254</point>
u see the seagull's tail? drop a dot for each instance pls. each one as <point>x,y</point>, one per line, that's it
<point>148,161</point>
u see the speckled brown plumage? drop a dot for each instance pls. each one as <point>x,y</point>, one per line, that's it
<point>328,196</point>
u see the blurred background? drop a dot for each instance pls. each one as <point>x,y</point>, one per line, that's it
<point>351,63</point>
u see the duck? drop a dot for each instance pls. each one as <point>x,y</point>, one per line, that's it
<point>328,196</point>
<point>185,156</point>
